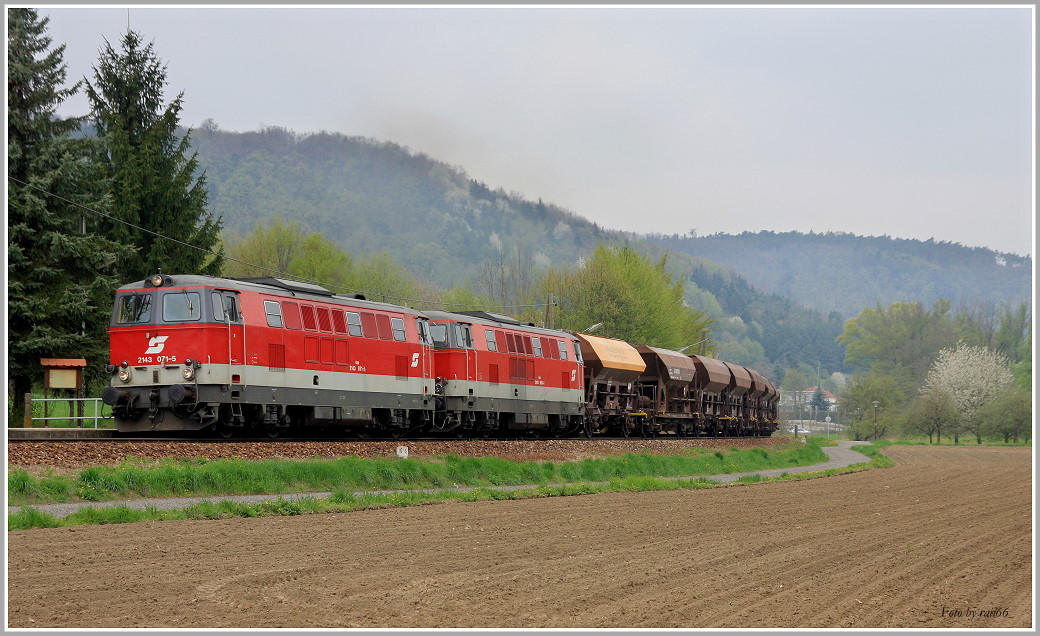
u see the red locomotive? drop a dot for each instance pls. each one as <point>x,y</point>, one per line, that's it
<point>195,352</point>
<point>192,353</point>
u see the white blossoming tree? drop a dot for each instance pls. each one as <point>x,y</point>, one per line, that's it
<point>973,376</point>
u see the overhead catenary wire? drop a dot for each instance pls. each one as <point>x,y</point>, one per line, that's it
<point>261,267</point>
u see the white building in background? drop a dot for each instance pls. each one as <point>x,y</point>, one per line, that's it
<point>795,399</point>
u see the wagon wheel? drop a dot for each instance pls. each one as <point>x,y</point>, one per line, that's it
<point>624,429</point>
<point>587,429</point>
<point>647,431</point>
<point>225,431</point>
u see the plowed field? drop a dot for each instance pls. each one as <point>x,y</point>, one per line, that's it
<point>942,540</point>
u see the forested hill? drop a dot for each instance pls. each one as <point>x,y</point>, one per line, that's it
<point>845,273</point>
<point>370,196</point>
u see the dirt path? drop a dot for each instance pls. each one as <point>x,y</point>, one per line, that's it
<point>936,541</point>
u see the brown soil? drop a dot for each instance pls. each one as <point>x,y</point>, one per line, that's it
<point>941,540</point>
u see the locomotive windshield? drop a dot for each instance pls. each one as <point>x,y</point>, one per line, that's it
<point>182,307</point>
<point>439,332</point>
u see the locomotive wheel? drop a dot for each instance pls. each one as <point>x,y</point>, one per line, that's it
<point>587,429</point>
<point>225,432</point>
<point>273,433</point>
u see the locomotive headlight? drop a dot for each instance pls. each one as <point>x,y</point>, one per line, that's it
<point>157,280</point>
<point>124,375</point>
<point>188,372</point>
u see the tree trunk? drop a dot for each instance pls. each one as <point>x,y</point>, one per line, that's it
<point>21,385</point>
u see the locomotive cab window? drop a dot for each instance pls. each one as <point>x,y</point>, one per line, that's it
<point>424,332</point>
<point>182,307</point>
<point>134,308</point>
<point>577,352</point>
<point>231,307</point>
<point>463,336</point>
<point>492,344</point>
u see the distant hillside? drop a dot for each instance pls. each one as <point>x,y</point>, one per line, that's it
<point>371,196</point>
<point>845,273</point>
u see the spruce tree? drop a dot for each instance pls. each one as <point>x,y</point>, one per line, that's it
<point>153,178</point>
<point>60,275</point>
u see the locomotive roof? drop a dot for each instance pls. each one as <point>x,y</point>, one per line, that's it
<point>494,320</point>
<point>275,286</point>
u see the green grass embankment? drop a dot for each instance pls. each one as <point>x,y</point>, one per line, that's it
<point>345,477</point>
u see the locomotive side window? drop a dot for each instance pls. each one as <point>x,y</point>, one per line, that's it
<point>368,324</point>
<point>492,344</point>
<point>577,352</point>
<point>308,318</point>
<point>337,321</point>
<point>291,314</point>
<point>397,324</point>
<point>354,324</point>
<point>528,349</point>
<point>182,306</point>
<point>324,323</point>
<point>551,349</point>
<point>136,308</point>
<point>536,343</point>
<point>274,313</point>
<point>218,307</point>
<point>383,327</point>
<point>563,350</point>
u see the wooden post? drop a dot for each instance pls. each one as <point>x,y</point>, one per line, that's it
<point>27,417</point>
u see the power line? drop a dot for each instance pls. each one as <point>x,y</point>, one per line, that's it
<point>260,267</point>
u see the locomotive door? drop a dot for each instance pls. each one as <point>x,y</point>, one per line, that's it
<point>236,337</point>
<point>471,353</point>
<point>425,362</point>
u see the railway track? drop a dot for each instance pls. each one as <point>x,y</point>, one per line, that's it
<point>114,436</point>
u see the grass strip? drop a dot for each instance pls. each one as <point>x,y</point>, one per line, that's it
<point>345,500</point>
<point>134,478</point>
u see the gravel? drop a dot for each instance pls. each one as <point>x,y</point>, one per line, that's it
<point>67,456</point>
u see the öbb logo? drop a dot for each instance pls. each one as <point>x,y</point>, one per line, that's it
<point>156,344</point>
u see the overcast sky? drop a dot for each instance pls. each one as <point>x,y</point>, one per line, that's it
<point>914,123</point>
